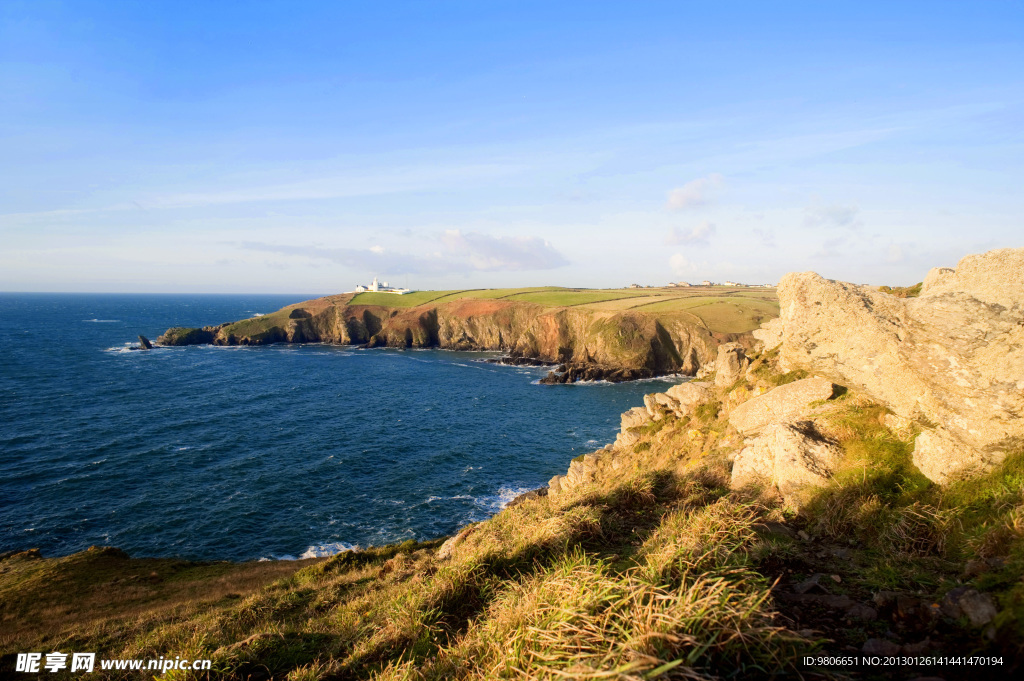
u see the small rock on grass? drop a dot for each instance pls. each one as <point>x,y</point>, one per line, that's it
<point>880,647</point>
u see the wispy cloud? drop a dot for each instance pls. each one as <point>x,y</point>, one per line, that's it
<point>833,216</point>
<point>459,251</point>
<point>509,253</point>
<point>412,178</point>
<point>767,237</point>
<point>695,192</point>
<point>832,248</point>
<point>698,236</point>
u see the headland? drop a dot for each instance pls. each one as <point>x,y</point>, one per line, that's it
<point>587,334</point>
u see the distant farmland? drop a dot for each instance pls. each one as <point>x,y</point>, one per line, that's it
<point>722,309</point>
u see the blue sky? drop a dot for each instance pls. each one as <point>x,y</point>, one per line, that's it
<point>306,147</point>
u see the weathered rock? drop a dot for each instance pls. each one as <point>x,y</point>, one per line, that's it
<point>898,424</point>
<point>689,395</point>
<point>770,334</point>
<point>637,416</point>
<point>178,335</point>
<point>966,602</point>
<point>785,403</point>
<point>790,456</point>
<point>528,496</point>
<point>952,358</point>
<point>936,276</point>
<point>555,486</point>
<point>666,401</point>
<point>941,458</point>
<point>626,438</point>
<point>445,552</point>
<point>29,554</point>
<point>864,613</point>
<point>654,408</point>
<point>144,343</point>
<point>811,585</point>
<point>731,364</point>
<point>580,371</point>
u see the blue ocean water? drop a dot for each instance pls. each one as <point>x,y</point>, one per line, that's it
<point>279,451</point>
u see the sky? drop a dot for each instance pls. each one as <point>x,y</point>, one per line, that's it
<point>306,147</point>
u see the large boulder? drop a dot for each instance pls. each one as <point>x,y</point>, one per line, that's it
<point>731,364</point>
<point>951,359</point>
<point>637,416</point>
<point>789,456</point>
<point>785,403</point>
<point>942,458</point>
<point>688,396</point>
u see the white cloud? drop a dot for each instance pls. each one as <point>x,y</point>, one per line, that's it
<point>698,236</point>
<point>695,192</point>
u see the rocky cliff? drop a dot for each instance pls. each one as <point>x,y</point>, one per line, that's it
<point>948,365</point>
<point>950,360</point>
<point>886,435</point>
<point>589,344</point>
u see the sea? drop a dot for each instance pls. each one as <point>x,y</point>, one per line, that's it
<point>276,452</point>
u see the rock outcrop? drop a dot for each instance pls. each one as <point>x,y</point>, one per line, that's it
<point>586,469</point>
<point>951,360</point>
<point>686,396</point>
<point>789,456</point>
<point>785,403</point>
<point>730,364</point>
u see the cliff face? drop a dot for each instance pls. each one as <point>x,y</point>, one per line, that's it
<point>638,343</point>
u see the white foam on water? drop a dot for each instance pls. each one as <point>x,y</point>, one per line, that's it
<point>496,502</point>
<point>457,496</point>
<point>316,551</point>
<point>324,550</point>
<point>101,321</point>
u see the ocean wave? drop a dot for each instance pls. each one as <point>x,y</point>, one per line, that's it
<point>316,551</point>
<point>101,321</point>
<point>496,502</point>
<point>452,498</point>
<point>329,549</point>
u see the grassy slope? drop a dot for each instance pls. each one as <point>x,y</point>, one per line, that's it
<point>659,572</point>
<point>722,309</point>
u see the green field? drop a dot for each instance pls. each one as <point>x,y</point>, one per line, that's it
<point>723,309</point>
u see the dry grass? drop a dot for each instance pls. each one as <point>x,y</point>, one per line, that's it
<point>658,570</point>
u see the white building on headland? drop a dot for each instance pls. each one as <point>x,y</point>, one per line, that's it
<point>382,287</point>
